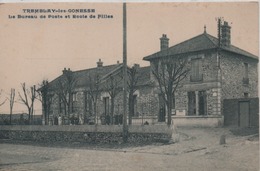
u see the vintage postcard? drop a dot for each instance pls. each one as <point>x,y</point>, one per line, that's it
<point>129,85</point>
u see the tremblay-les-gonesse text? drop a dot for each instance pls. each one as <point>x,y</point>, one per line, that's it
<point>52,13</point>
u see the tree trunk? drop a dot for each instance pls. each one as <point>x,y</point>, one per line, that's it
<point>65,108</point>
<point>70,104</point>
<point>11,112</point>
<point>131,108</point>
<point>112,109</point>
<point>169,110</point>
<point>169,115</point>
<point>95,112</point>
<point>48,115</point>
<point>32,115</point>
<point>45,116</point>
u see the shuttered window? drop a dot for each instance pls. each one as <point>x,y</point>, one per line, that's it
<point>246,79</point>
<point>196,74</point>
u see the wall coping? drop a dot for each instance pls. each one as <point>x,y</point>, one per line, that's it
<point>179,116</point>
<point>160,129</point>
<point>198,117</point>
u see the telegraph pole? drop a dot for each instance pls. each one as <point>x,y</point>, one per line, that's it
<point>125,129</point>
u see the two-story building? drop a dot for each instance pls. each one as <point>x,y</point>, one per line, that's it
<point>218,71</point>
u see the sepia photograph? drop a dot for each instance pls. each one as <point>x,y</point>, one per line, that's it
<point>129,86</point>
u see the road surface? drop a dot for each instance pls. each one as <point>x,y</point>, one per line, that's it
<point>198,149</point>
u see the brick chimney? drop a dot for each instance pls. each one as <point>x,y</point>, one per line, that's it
<point>99,63</point>
<point>137,66</point>
<point>65,71</point>
<point>225,34</point>
<point>164,42</point>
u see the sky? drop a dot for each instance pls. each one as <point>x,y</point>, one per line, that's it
<point>37,49</point>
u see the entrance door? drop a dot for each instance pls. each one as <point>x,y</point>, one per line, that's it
<point>243,114</point>
<point>191,103</point>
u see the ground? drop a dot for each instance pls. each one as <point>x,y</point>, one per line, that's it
<point>198,149</point>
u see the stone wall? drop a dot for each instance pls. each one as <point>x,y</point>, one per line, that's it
<point>147,103</point>
<point>198,121</point>
<point>87,134</point>
<point>232,68</point>
<point>210,83</point>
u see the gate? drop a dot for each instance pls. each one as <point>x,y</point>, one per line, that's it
<point>243,118</point>
<point>243,112</point>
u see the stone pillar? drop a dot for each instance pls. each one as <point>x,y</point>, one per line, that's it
<point>197,102</point>
<point>216,100</point>
<point>219,102</point>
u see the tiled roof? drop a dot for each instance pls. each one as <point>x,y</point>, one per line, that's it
<point>82,76</point>
<point>199,43</point>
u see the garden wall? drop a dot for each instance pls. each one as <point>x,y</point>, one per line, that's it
<point>86,133</point>
<point>199,121</point>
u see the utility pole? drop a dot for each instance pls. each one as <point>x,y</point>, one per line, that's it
<point>125,129</point>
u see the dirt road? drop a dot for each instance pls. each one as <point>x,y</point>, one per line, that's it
<point>198,149</point>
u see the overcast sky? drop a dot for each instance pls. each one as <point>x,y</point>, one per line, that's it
<point>37,49</point>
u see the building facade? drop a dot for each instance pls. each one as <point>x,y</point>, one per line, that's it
<point>218,70</point>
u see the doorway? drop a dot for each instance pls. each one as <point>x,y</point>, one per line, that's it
<point>191,103</point>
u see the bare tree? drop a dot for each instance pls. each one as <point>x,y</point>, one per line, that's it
<point>46,97</point>
<point>11,100</point>
<point>132,87</point>
<point>3,101</point>
<point>28,98</point>
<point>112,86</point>
<point>94,92</point>
<point>169,72</point>
<point>65,87</point>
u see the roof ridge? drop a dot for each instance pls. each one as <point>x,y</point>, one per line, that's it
<point>111,72</point>
<point>185,41</point>
<point>207,35</point>
<point>95,68</point>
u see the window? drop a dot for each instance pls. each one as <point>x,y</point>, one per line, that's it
<point>196,74</point>
<point>106,105</point>
<point>135,104</point>
<point>61,105</point>
<point>197,103</point>
<point>88,104</point>
<point>246,70</point>
<point>246,95</point>
<point>202,102</point>
<point>90,107</point>
<point>74,102</point>
<point>245,78</point>
<point>74,97</point>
